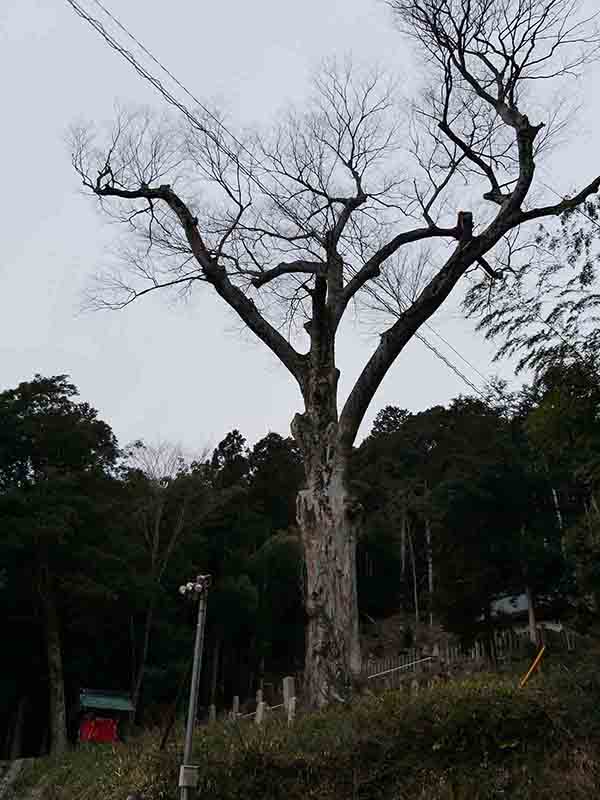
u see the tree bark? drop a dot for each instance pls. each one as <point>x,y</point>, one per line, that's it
<point>328,524</point>
<point>328,516</point>
<point>56,682</point>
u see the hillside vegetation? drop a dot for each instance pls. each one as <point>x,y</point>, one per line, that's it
<point>459,509</point>
<point>478,738</point>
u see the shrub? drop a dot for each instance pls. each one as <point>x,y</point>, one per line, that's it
<point>479,738</point>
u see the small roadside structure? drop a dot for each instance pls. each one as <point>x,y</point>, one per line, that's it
<point>103,715</point>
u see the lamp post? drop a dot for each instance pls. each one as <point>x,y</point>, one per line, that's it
<point>188,774</point>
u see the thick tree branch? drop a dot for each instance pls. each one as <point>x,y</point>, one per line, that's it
<point>525,134</point>
<point>335,264</point>
<point>492,48</point>
<point>349,207</point>
<point>287,268</point>
<point>371,268</point>
<point>487,268</point>
<point>495,194</point>
<point>396,337</point>
<point>215,273</point>
<point>568,204</point>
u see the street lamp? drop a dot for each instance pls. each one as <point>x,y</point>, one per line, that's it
<point>188,774</point>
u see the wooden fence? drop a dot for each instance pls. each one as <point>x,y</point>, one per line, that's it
<point>262,710</point>
<point>413,669</point>
<point>507,645</point>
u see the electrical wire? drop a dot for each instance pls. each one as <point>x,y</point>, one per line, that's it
<point>450,364</point>
<point>171,99</point>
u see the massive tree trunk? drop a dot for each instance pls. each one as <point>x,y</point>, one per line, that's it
<point>56,682</point>
<point>328,521</point>
<point>329,537</point>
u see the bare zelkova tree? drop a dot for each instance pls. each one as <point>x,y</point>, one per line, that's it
<point>293,228</point>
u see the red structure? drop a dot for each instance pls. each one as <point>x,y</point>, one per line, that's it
<point>104,716</point>
<point>98,729</point>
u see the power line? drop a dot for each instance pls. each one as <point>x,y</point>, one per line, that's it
<point>172,100</point>
<point>448,344</point>
<point>486,380</point>
<point>449,364</point>
<point>251,176</point>
<point>181,86</point>
<point>435,350</point>
<point>157,84</point>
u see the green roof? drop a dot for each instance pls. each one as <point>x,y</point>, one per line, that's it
<point>113,701</point>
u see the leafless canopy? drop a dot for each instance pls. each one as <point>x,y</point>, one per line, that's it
<point>487,58</point>
<point>308,217</point>
<point>160,463</point>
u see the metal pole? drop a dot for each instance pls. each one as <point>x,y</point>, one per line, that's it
<point>195,685</point>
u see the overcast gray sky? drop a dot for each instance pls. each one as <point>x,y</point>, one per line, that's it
<point>159,370</point>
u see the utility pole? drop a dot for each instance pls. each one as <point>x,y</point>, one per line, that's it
<point>188,773</point>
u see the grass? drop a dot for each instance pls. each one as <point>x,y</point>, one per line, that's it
<point>480,738</point>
